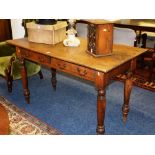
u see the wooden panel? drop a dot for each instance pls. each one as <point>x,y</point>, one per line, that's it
<point>4,121</point>
<point>105,39</point>
<point>5,29</point>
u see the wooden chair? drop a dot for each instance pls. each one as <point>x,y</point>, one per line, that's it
<point>148,58</point>
<point>10,66</point>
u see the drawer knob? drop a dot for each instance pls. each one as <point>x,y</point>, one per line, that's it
<point>81,72</point>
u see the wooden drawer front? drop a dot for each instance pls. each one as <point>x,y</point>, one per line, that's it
<point>37,57</point>
<point>83,72</point>
<point>43,59</point>
<point>73,69</point>
<point>60,64</point>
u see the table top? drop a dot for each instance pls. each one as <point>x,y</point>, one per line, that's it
<point>79,56</point>
<point>142,24</point>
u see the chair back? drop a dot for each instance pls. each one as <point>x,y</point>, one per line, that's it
<point>124,36</point>
<point>150,39</point>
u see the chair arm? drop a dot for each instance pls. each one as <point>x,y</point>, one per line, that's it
<point>6,49</point>
<point>8,70</point>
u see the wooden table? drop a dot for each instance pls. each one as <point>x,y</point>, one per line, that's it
<point>137,24</point>
<point>76,61</point>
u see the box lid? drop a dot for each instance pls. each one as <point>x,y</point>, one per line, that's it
<point>97,21</point>
<point>59,25</point>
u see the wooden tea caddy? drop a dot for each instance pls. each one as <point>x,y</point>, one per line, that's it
<point>100,38</point>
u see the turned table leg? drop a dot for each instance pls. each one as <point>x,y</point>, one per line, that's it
<point>101,102</point>
<point>24,80</point>
<point>127,89</point>
<point>127,92</point>
<point>53,78</point>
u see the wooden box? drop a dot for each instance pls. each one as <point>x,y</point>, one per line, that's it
<point>48,34</point>
<point>100,38</point>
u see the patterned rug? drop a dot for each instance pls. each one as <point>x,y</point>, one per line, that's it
<point>22,123</point>
<point>139,81</point>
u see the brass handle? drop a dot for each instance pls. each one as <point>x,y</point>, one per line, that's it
<point>62,66</point>
<point>81,72</point>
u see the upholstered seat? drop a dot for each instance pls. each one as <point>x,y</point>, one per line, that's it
<point>10,66</point>
<point>5,49</point>
<point>32,68</point>
<point>147,39</point>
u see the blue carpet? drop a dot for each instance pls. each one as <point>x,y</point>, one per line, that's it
<point>72,108</point>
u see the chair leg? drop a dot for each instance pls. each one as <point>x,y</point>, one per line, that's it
<point>40,74</point>
<point>9,80</point>
<point>144,39</point>
<point>8,75</point>
<point>153,64</point>
<point>9,84</point>
<point>141,58</point>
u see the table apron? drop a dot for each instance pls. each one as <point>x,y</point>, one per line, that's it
<point>64,66</point>
<point>71,68</point>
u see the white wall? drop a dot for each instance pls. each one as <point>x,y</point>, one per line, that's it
<point>17,28</point>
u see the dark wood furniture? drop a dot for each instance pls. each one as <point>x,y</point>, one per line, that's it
<point>148,58</point>
<point>4,121</point>
<point>78,62</point>
<point>5,29</point>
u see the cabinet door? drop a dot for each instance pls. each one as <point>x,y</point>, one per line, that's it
<point>5,29</point>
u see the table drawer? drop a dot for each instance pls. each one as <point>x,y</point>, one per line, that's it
<point>60,64</point>
<point>83,72</point>
<point>37,57</point>
<point>73,69</point>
